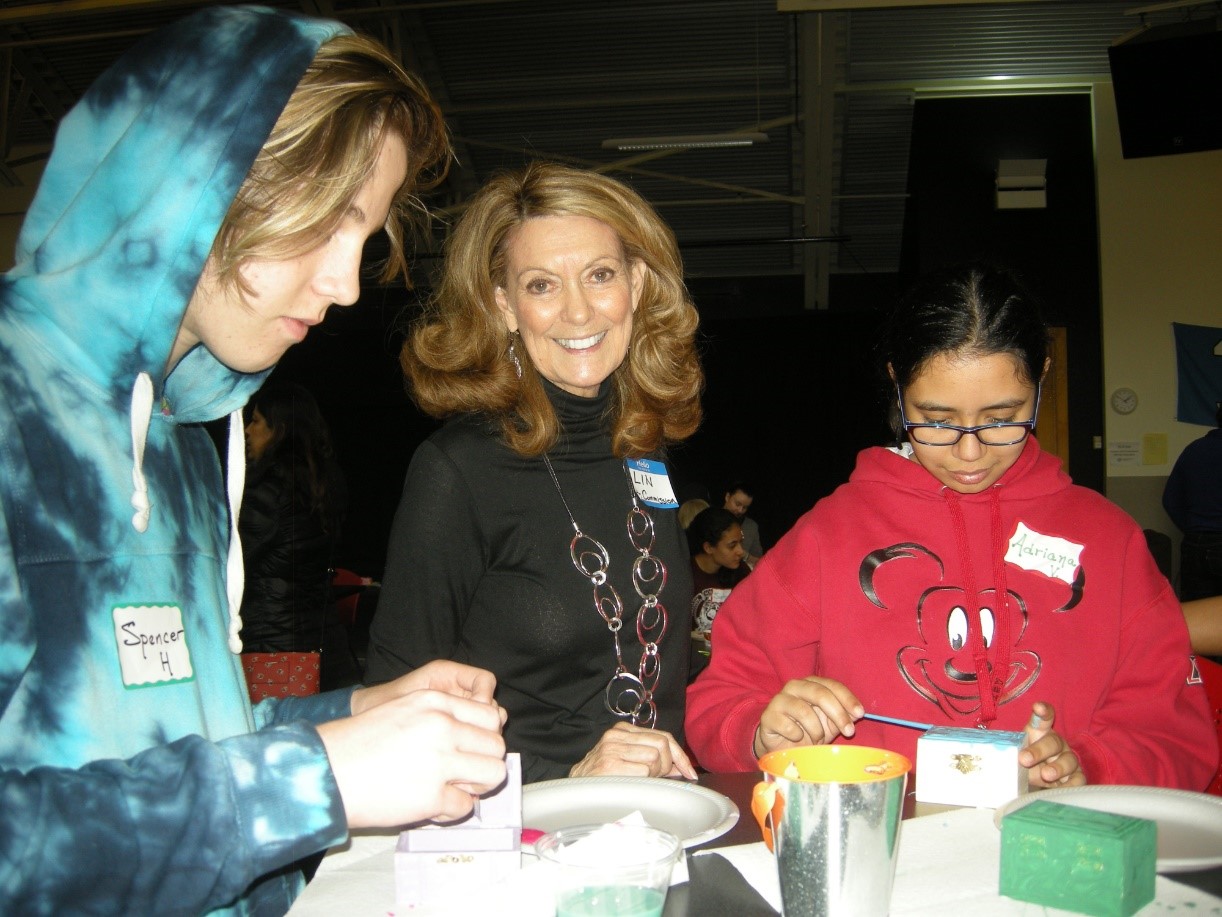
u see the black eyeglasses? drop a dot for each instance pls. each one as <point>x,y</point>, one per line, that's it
<point>989,434</point>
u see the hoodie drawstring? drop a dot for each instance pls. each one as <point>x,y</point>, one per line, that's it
<point>1001,628</point>
<point>990,678</point>
<point>141,412</point>
<point>235,475</point>
<point>235,572</point>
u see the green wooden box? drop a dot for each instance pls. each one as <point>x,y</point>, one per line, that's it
<point>1078,859</point>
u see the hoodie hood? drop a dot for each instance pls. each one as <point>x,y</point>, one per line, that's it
<point>1033,476</point>
<point>143,172</point>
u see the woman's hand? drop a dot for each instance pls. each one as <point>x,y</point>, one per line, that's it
<point>632,751</point>
<point>807,711</point>
<point>1048,758</point>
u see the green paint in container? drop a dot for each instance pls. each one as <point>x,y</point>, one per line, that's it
<point>611,901</point>
<point>1077,859</point>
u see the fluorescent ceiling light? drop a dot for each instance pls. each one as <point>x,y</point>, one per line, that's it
<point>684,141</point>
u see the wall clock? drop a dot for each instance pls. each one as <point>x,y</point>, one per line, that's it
<point>1124,401</point>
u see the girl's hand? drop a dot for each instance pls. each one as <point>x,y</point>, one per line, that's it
<point>1049,760</point>
<point>807,711</point>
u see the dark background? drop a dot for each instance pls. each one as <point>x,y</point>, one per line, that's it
<point>791,395</point>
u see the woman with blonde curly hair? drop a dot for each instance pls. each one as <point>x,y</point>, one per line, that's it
<point>538,533</point>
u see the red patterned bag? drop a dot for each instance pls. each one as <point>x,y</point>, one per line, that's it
<point>281,674</point>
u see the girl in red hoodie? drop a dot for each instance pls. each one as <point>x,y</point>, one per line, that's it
<point>961,579</point>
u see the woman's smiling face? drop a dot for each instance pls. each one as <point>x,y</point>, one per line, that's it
<point>967,391</point>
<point>570,293</point>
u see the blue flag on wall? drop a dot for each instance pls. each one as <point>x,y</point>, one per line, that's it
<point>1198,358</point>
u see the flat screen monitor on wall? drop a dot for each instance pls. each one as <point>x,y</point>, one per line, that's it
<point>1168,85</point>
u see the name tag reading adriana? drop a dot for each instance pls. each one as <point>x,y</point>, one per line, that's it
<point>152,645</point>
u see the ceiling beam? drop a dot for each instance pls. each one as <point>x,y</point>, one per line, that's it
<point>36,12</point>
<point>614,100</point>
<point>746,195</point>
<point>837,6</point>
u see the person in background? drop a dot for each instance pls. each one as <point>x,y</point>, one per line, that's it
<point>1192,498</point>
<point>690,509</point>
<point>714,539</point>
<point>537,533</point>
<point>205,204</point>
<point>292,511</point>
<point>1204,617</point>
<point>961,579</point>
<point>738,499</point>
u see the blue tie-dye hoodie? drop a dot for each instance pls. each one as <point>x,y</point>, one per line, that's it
<point>135,776</point>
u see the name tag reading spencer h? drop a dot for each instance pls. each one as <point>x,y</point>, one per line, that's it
<point>651,482</point>
<point>152,645</point>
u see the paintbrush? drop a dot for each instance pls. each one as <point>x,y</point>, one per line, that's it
<point>878,717</point>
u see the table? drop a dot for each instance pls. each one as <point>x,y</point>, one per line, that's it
<point>948,864</point>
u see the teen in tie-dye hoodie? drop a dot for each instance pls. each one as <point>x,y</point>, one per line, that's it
<point>134,775</point>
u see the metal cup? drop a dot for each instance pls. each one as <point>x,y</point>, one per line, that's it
<point>833,812</point>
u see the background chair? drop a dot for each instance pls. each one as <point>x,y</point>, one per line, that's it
<point>355,598</point>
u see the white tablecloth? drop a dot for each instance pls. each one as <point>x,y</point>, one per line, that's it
<point>948,863</point>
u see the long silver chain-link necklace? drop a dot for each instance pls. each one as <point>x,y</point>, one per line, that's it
<point>628,695</point>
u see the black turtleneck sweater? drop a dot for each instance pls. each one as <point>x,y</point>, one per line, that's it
<point>478,571</point>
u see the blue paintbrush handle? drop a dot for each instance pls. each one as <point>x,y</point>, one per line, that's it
<point>895,722</point>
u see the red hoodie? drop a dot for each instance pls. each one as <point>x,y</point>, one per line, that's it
<point>871,588</point>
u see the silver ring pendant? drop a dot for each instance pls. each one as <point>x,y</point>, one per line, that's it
<point>608,603</point>
<point>650,719</point>
<point>640,527</point>
<point>649,625</point>
<point>646,571</point>
<point>590,558</point>
<point>624,685</point>
<point>651,669</point>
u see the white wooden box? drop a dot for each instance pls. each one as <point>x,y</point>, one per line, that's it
<point>438,864</point>
<point>969,767</point>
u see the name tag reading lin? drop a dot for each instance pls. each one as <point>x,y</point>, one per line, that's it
<point>651,482</point>
<point>152,645</point>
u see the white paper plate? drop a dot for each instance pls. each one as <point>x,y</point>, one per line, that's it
<point>1189,824</point>
<point>692,813</point>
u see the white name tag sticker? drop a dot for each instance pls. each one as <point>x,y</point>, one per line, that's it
<point>651,482</point>
<point>1054,557</point>
<point>152,645</point>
